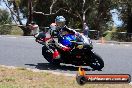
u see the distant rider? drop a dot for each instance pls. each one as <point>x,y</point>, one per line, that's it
<point>34,28</point>
<point>85,29</point>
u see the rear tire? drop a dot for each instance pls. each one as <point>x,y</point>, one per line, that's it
<point>96,62</point>
<point>49,56</point>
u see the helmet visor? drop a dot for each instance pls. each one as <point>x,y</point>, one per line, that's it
<point>60,24</point>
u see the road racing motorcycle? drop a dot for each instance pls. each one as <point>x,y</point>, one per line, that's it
<point>78,51</point>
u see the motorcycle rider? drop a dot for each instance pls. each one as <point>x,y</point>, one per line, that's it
<point>59,29</point>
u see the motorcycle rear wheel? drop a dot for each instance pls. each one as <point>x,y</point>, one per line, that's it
<point>49,56</point>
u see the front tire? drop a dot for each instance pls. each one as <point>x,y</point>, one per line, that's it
<point>96,62</point>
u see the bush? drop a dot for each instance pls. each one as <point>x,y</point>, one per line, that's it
<point>117,36</point>
<point>16,31</point>
<point>5,19</point>
<point>10,30</point>
<point>4,29</point>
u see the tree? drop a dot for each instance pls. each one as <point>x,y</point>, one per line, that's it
<point>94,12</point>
<point>23,9</point>
<point>125,9</point>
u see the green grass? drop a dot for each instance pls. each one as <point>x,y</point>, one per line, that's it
<point>5,85</point>
<point>23,78</point>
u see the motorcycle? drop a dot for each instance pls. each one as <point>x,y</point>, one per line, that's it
<point>79,51</point>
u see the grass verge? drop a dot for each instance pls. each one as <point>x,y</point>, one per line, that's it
<point>23,78</point>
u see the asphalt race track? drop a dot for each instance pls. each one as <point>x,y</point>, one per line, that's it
<point>25,52</point>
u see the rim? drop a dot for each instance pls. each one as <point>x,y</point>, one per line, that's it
<point>96,63</point>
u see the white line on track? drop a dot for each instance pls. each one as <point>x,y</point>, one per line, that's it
<point>30,38</point>
<point>127,45</point>
<point>12,37</point>
<point>111,44</point>
<point>98,43</point>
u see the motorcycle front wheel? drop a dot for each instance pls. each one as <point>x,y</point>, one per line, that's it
<point>96,62</point>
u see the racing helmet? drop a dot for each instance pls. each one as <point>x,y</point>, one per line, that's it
<point>60,19</point>
<point>60,22</point>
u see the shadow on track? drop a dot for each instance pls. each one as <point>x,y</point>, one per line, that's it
<point>48,66</point>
